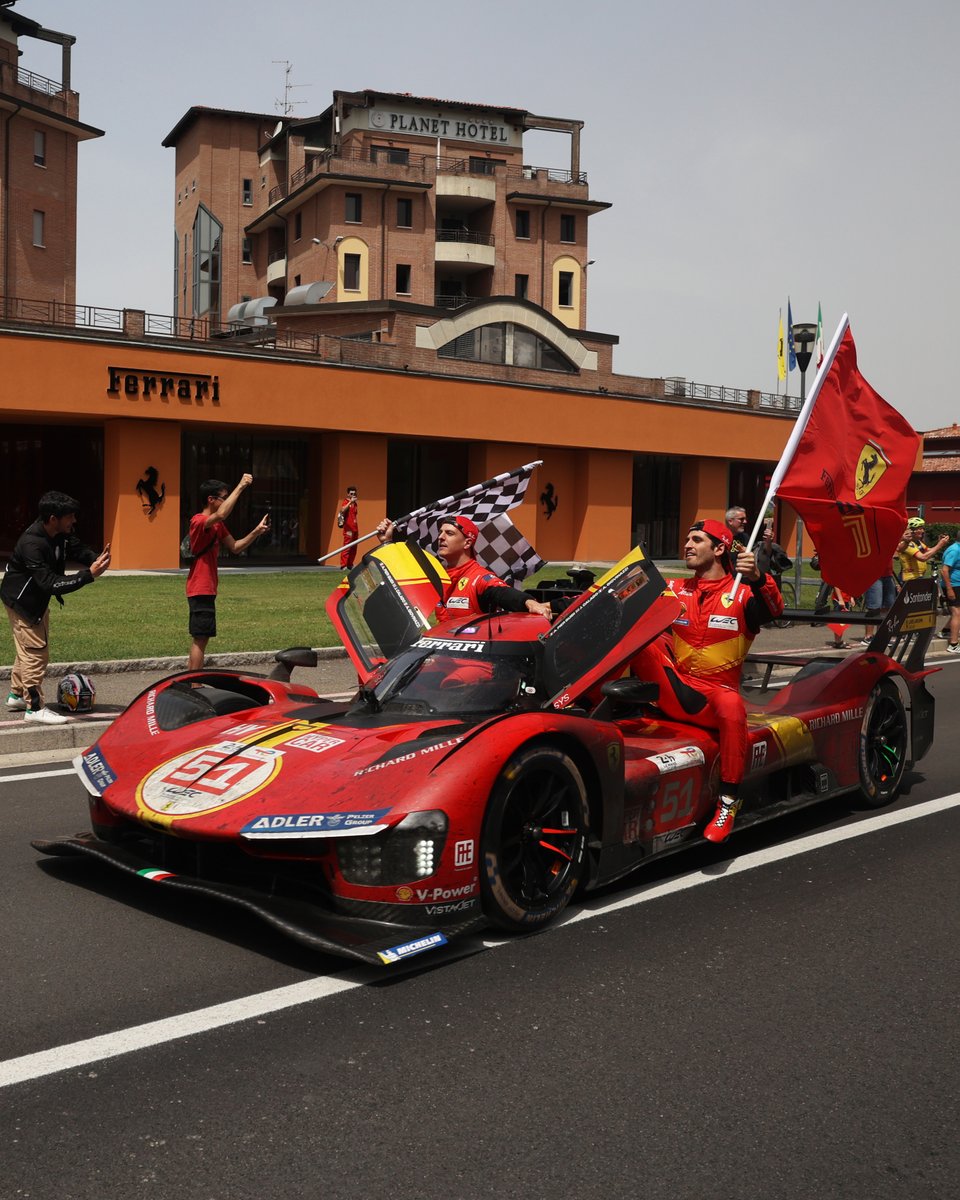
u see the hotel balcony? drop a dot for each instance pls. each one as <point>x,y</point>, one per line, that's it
<point>468,251</point>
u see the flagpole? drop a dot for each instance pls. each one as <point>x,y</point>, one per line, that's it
<point>797,433</point>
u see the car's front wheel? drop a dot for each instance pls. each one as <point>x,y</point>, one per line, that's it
<point>883,744</point>
<point>533,844</point>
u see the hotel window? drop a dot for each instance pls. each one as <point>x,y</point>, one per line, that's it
<point>390,154</point>
<point>247,250</point>
<point>353,211</point>
<point>38,219</point>
<point>248,191</point>
<point>568,227</point>
<point>351,272</point>
<point>403,279</point>
<point>39,148</point>
<point>486,166</point>
<point>297,226</point>
<point>520,285</point>
<point>565,296</point>
<point>523,222</point>
<point>404,213</point>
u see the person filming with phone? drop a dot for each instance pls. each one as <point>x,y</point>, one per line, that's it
<point>35,573</point>
<point>208,532</point>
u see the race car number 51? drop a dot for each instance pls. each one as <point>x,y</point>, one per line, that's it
<point>211,778</point>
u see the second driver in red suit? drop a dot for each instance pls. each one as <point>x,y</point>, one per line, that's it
<point>473,588</point>
<point>697,662</point>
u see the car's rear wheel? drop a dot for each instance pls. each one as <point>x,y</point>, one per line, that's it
<point>533,844</point>
<point>883,744</point>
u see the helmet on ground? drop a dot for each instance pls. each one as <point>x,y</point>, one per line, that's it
<point>76,692</point>
<point>916,523</point>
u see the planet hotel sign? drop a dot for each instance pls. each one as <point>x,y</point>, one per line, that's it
<point>460,128</point>
<point>137,384</point>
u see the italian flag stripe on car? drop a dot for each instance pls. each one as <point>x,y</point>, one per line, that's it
<point>154,874</point>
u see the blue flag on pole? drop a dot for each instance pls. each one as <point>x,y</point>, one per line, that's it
<point>790,345</point>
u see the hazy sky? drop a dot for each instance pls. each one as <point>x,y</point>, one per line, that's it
<point>750,149</point>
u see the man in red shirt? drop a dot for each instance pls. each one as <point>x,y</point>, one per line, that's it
<point>697,663</point>
<point>348,522</point>
<point>207,533</point>
<point>473,588</point>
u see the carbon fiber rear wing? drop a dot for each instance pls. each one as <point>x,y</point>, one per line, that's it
<point>905,632</point>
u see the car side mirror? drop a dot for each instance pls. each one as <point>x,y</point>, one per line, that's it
<point>296,656</point>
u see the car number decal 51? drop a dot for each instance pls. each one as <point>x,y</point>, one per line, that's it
<point>203,780</point>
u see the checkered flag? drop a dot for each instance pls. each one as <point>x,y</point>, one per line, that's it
<point>503,548</point>
<point>500,546</point>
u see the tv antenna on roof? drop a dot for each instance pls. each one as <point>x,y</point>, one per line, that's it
<point>286,105</point>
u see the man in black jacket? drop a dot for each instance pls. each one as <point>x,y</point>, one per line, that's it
<point>35,572</point>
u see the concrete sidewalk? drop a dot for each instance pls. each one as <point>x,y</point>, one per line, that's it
<point>118,683</point>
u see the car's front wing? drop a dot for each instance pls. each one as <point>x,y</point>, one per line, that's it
<point>378,942</point>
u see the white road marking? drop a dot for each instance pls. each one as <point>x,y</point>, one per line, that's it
<point>155,1033</point>
<point>36,775</point>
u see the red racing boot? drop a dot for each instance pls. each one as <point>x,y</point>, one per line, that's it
<point>721,826</point>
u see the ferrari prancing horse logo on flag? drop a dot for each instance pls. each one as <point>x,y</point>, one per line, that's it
<point>870,467</point>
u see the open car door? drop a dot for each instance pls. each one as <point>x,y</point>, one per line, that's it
<point>605,627</point>
<point>386,602</point>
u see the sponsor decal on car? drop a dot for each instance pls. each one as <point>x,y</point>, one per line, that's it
<point>433,895</point>
<point>427,643</point>
<point>313,825</point>
<point>402,758</point>
<point>241,731</point>
<point>203,780</point>
<point>443,910</point>
<point>835,718</point>
<point>97,774</point>
<point>463,854</point>
<point>758,756</point>
<point>677,760</point>
<point>316,743</point>
<point>672,837</point>
<point>150,711</point>
<point>408,949</point>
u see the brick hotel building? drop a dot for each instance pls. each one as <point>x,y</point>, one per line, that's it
<point>387,295</point>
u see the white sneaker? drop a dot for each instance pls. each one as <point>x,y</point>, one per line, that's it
<point>45,716</point>
<point>16,703</point>
<point>953,648</point>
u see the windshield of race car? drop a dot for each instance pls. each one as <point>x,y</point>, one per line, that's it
<point>448,682</point>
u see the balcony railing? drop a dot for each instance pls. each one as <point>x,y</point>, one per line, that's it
<point>134,323</point>
<point>465,235</point>
<point>332,162</point>
<point>454,301</point>
<point>38,83</point>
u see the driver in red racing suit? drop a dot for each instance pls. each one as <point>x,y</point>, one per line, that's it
<point>473,588</point>
<point>697,661</point>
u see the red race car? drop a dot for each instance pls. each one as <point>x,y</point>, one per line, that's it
<point>485,771</point>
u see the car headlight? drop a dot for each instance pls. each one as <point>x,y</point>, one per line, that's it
<point>408,852</point>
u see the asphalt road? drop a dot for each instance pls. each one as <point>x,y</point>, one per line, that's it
<point>776,1018</point>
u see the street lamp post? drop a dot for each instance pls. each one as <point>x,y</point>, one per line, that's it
<point>804,335</point>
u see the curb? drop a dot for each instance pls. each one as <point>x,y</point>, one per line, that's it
<point>169,665</point>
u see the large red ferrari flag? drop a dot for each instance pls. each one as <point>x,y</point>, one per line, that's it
<point>848,475</point>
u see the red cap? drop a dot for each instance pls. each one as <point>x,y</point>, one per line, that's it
<point>716,530</point>
<point>465,525</point>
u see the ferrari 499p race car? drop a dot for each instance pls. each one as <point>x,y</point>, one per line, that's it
<point>487,768</point>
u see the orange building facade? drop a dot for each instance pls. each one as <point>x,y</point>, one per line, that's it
<point>132,423</point>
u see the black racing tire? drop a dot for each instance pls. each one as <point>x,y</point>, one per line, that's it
<point>884,744</point>
<point>534,839</point>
